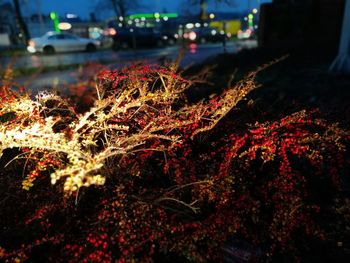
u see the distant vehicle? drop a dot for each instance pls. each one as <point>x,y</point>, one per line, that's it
<point>135,37</point>
<point>53,42</point>
<point>245,34</point>
<point>205,34</point>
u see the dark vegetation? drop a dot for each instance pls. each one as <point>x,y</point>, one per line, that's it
<point>271,171</point>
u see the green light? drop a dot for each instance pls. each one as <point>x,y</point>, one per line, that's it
<point>251,20</point>
<point>141,15</point>
<point>153,16</point>
<point>171,15</point>
<point>54,17</point>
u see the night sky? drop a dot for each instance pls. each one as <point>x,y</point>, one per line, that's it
<point>84,7</point>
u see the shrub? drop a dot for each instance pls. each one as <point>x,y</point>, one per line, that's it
<point>145,175</point>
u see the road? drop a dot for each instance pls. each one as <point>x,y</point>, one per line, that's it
<point>192,55</point>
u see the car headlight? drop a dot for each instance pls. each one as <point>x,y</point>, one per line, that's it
<point>192,35</point>
<point>31,49</point>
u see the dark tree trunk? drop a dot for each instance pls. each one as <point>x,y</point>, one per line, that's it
<point>119,8</point>
<point>21,23</point>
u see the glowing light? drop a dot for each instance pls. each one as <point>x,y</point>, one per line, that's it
<point>112,31</point>
<point>211,16</point>
<point>153,15</point>
<point>95,35</point>
<point>193,48</point>
<point>213,32</point>
<point>165,18</point>
<point>71,16</point>
<point>31,49</point>
<point>129,22</point>
<point>64,26</point>
<point>255,11</point>
<point>121,18</point>
<point>109,31</point>
<point>251,20</point>
<point>197,24</point>
<point>53,15</point>
<point>192,35</point>
<point>189,25</point>
<point>244,34</point>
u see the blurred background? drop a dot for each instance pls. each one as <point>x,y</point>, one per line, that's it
<point>21,20</point>
<point>59,34</point>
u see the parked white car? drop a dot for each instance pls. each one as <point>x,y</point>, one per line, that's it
<point>53,42</point>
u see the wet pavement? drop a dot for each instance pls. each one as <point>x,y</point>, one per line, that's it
<point>192,55</point>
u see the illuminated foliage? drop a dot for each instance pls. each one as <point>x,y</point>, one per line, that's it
<point>143,174</point>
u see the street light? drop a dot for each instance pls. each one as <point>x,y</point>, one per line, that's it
<point>64,26</point>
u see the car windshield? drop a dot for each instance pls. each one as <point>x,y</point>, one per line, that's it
<point>67,36</point>
<point>61,36</point>
<point>53,37</point>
